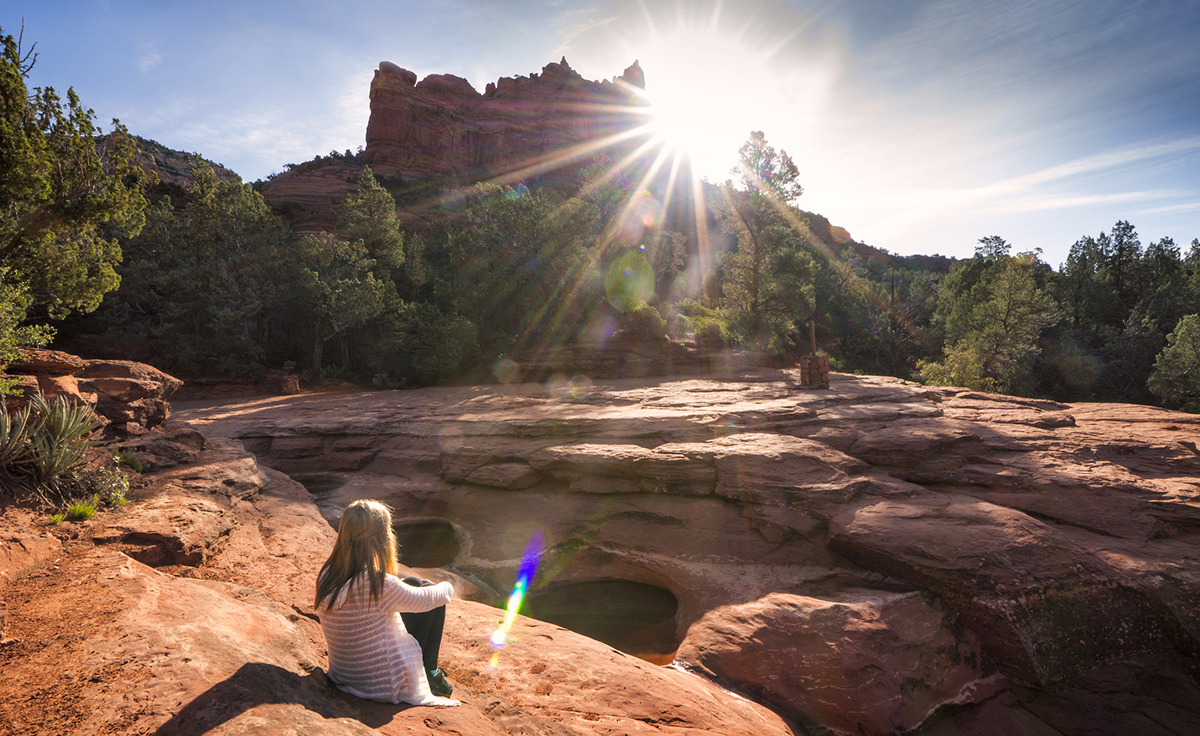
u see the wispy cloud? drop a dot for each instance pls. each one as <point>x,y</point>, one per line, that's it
<point>1020,193</point>
<point>1057,202</point>
<point>1173,209</point>
<point>148,62</point>
<point>1105,160</point>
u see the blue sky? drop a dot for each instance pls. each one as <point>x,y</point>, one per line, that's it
<point>918,125</point>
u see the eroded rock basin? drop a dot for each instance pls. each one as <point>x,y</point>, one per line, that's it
<point>874,558</point>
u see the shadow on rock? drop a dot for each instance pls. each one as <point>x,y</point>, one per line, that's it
<point>257,685</point>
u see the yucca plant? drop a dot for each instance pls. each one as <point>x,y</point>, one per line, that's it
<point>15,431</point>
<point>57,438</point>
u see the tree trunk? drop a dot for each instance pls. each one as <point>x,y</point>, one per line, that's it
<point>318,345</point>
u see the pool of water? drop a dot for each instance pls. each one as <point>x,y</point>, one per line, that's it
<point>427,543</point>
<point>636,618</point>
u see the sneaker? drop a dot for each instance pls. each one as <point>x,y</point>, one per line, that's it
<point>438,684</point>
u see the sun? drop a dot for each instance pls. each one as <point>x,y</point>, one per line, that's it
<point>707,91</point>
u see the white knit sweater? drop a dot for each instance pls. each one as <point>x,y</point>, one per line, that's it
<point>371,654</point>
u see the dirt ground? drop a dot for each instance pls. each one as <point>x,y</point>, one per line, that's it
<point>40,699</point>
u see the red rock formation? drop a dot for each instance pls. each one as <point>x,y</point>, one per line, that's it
<point>442,130</point>
<point>442,126</point>
<point>130,396</point>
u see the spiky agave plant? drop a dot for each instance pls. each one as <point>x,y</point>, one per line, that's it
<point>58,446</point>
<point>15,430</point>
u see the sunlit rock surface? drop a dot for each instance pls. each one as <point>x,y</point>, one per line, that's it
<point>880,557</point>
<point>189,611</point>
<point>1051,550</point>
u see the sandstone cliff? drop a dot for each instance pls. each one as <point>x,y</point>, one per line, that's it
<point>442,126</point>
<point>441,130</point>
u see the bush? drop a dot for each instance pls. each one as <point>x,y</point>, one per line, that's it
<point>129,460</point>
<point>104,485</point>
<point>962,366</point>
<point>44,446</point>
<point>712,335</point>
<point>82,510</point>
<point>644,323</point>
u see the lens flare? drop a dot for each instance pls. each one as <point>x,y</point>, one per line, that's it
<point>573,390</point>
<point>506,370</point>
<point>629,281</point>
<point>529,564</point>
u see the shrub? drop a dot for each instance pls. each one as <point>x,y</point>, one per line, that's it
<point>57,519</point>
<point>44,446</point>
<point>962,366</point>
<point>712,335</point>
<point>82,510</point>
<point>104,485</point>
<point>129,460</point>
<point>644,323</point>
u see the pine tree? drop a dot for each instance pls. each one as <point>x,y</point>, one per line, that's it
<point>1176,375</point>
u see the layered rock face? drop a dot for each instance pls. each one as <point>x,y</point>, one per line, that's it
<point>131,397</point>
<point>878,557</point>
<point>442,126</point>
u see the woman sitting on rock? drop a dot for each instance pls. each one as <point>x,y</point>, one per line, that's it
<point>383,633</point>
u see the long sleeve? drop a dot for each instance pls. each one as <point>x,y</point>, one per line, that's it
<point>400,596</point>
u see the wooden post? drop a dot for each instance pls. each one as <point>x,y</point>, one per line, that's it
<point>814,369</point>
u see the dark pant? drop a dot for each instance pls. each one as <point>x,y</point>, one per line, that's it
<point>426,627</point>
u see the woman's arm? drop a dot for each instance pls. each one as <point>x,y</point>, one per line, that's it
<point>400,596</point>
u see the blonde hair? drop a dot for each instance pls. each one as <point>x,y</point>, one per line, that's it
<point>365,547</point>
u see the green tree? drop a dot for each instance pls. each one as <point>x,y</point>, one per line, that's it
<point>516,267</point>
<point>14,300</point>
<point>1085,291</point>
<point>205,283</point>
<point>1176,375</point>
<point>350,278</point>
<point>61,201</point>
<point>1124,264</point>
<point>340,287</point>
<point>767,280</point>
<point>994,323</point>
<point>369,217</point>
